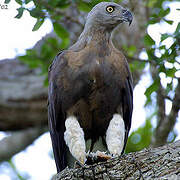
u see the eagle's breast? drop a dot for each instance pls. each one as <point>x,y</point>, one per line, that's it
<point>97,81</point>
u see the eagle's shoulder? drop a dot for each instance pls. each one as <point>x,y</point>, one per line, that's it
<point>120,62</point>
<point>58,64</point>
<point>54,62</point>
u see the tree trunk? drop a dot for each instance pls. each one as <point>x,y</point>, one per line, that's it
<point>158,163</point>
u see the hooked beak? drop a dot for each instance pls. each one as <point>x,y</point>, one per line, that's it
<point>127,16</point>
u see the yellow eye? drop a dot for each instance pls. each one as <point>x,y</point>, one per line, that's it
<point>110,9</point>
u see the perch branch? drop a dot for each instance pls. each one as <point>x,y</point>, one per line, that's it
<point>157,163</point>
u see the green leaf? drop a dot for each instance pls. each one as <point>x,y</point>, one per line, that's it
<point>169,87</point>
<point>32,61</point>
<point>171,72</point>
<point>46,82</point>
<point>159,3</point>
<point>84,6</point>
<point>141,138</point>
<point>162,47</point>
<point>137,65</point>
<point>168,21</point>
<point>27,1</point>
<point>62,33</point>
<point>60,30</point>
<point>150,53</point>
<point>153,21</point>
<point>153,87</point>
<point>20,12</point>
<point>148,41</point>
<point>164,36</point>
<point>19,2</point>
<point>7,1</point>
<point>46,50</point>
<point>37,13</point>
<point>151,3</point>
<point>52,41</point>
<point>131,50</point>
<point>177,28</point>
<point>163,12</point>
<point>63,4</point>
<point>162,68</point>
<point>38,24</point>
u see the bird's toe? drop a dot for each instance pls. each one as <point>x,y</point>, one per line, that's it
<point>97,157</point>
<point>103,156</point>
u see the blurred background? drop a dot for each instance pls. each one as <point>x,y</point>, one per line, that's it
<point>32,32</point>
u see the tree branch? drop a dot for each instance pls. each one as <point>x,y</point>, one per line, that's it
<point>23,97</point>
<point>157,163</point>
<point>18,141</point>
<point>168,122</point>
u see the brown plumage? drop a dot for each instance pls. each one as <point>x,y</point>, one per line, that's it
<point>91,81</point>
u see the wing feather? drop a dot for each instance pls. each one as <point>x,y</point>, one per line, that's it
<point>56,119</point>
<point>127,106</point>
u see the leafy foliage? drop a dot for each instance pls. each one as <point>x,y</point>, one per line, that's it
<point>167,55</point>
<point>141,138</point>
<point>61,32</point>
<point>20,12</point>
<point>43,58</point>
<point>38,24</point>
<point>148,41</point>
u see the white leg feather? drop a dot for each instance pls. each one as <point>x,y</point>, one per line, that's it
<point>74,138</point>
<point>115,135</point>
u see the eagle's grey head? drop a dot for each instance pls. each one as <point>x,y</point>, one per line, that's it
<point>108,14</point>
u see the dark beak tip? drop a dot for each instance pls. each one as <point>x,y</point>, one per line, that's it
<point>128,16</point>
<point>130,21</point>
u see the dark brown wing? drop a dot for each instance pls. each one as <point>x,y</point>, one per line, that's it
<point>126,85</point>
<point>56,118</point>
<point>127,106</point>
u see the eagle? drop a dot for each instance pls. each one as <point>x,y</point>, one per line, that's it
<point>90,94</point>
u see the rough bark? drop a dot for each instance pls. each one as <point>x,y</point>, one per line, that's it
<point>157,163</point>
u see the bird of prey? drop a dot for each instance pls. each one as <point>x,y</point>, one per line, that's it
<point>90,90</point>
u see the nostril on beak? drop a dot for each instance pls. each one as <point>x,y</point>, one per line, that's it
<point>124,11</point>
